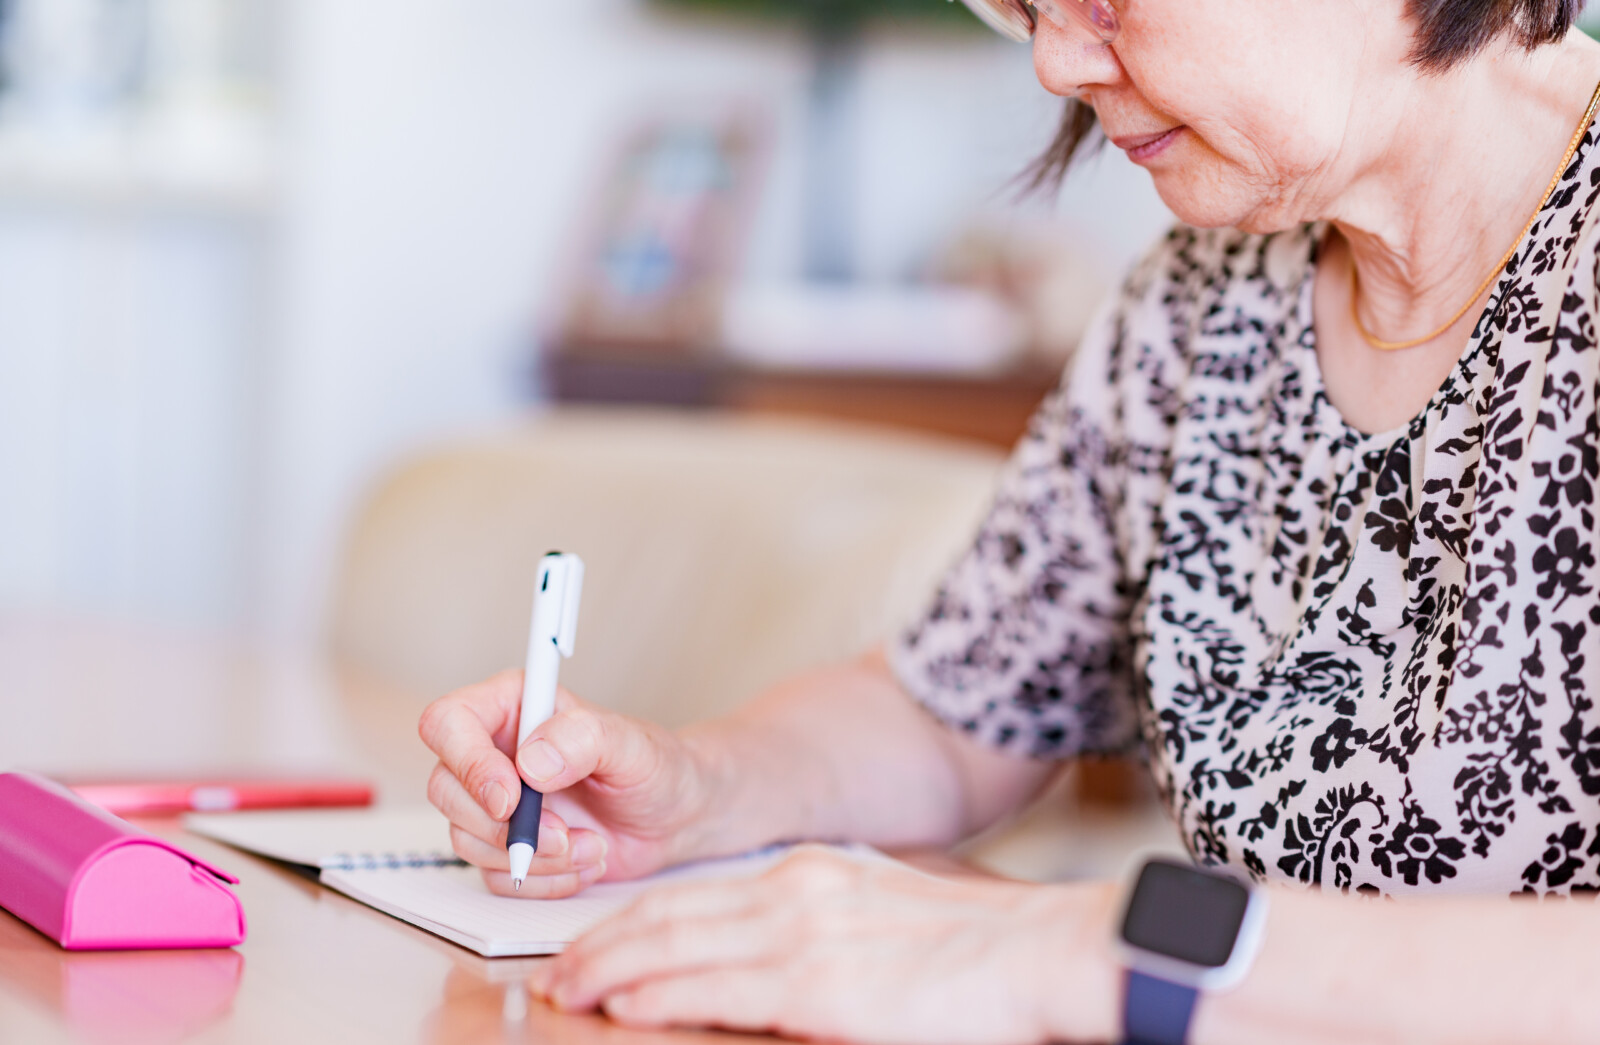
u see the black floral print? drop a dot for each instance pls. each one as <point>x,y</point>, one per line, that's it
<point>1368,662</point>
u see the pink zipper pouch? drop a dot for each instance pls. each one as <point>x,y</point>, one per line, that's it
<point>92,881</point>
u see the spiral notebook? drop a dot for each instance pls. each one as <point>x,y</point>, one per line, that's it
<point>399,862</point>
<point>335,839</point>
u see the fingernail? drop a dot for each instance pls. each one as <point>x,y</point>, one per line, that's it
<point>539,981</point>
<point>540,761</point>
<point>591,875</point>
<point>552,842</point>
<point>496,800</point>
<point>587,850</point>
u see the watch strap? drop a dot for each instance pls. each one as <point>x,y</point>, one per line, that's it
<point>1156,1011</point>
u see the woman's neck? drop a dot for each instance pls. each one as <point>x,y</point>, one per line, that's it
<point>1466,160</point>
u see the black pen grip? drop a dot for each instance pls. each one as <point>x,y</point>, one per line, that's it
<point>524,826</point>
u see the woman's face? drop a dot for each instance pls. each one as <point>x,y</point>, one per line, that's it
<point>1247,113</point>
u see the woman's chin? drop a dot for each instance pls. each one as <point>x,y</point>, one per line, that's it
<point>1198,202</point>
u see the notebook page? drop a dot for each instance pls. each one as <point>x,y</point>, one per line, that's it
<point>454,903</point>
<point>333,837</point>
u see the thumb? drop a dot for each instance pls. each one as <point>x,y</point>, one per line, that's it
<point>581,741</point>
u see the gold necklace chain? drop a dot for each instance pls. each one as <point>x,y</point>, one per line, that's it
<point>1555,179</point>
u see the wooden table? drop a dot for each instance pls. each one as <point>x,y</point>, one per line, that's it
<point>81,699</point>
<point>316,967</point>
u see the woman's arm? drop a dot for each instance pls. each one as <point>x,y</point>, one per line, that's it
<point>840,753</point>
<point>845,753</point>
<point>1458,970</point>
<point>1333,968</point>
<point>826,947</point>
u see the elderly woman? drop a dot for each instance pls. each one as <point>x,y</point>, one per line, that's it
<point>1313,523</point>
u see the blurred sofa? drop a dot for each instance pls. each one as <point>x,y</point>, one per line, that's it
<point>723,553</point>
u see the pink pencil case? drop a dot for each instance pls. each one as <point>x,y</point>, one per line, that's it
<point>91,881</point>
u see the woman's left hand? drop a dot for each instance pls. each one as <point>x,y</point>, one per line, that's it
<point>827,946</point>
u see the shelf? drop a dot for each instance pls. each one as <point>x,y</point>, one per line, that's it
<point>991,407</point>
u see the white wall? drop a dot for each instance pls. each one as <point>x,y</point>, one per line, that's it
<point>125,410</point>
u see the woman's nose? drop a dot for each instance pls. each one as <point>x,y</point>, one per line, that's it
<point>1071,61</point>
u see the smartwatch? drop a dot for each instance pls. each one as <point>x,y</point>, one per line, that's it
<point>1183,930</point>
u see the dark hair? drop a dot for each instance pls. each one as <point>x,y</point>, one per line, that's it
<point>1447,32</point>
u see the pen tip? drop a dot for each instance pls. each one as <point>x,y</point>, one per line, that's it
<point>516,885</point>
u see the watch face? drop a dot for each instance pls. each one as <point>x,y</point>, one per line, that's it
<point>1185,914</point>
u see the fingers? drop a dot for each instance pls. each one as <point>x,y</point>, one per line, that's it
<point>661,906</point>
<point>580,741</point>
<point>481,840</point>
<point>471,730</point>
<point>551,887</point>
<point>450,797</point>
<point>554,856</point>
<point>668,932</point>
<point>747,999</point>
<point>680,931</point>
<point>560,850</point>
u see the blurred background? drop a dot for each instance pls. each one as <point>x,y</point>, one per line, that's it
<point>321,319</point>
<point>253,253</point>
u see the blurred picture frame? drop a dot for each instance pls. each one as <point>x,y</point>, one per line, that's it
<point>666,234</point>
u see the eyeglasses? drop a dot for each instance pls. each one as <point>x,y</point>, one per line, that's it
<point>1017,19</point>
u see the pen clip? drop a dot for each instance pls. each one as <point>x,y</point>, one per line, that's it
<point>571,592</point>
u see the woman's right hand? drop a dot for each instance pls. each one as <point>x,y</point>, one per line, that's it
<point>619,792</point>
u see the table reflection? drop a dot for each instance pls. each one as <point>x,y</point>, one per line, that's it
<point>139,997</point>
<point>487,1005</point>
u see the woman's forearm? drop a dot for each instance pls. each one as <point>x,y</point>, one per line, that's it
<point>844,753</point>
<point>1457,970</point>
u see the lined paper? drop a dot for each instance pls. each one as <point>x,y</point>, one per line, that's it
<point>453,902</point>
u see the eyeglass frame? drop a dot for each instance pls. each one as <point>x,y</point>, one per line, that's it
<point>1019,19</point>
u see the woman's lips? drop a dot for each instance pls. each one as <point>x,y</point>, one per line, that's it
<point>1142,147</point>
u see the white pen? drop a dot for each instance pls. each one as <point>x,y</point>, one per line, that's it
<point>555,624</point>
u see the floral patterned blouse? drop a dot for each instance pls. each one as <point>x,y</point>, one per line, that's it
<point>1362,661</point>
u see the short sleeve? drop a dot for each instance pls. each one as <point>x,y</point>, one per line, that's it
<point>1025,643</point>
